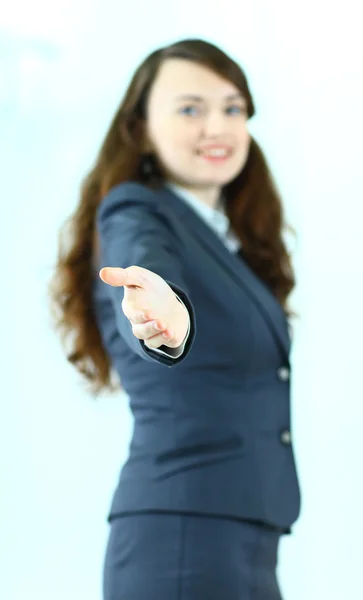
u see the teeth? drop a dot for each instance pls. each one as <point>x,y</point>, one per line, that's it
<point>215,152</point>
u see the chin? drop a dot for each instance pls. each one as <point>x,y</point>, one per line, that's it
<point>220,181</point>
<point>223,178</point>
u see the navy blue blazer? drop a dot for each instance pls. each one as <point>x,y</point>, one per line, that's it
<point>212,432</point>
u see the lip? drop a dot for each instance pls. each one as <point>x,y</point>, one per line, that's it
<point>215,159</point>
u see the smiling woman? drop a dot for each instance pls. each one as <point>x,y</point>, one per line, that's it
<point>176,259</point>
<point>208,128</point>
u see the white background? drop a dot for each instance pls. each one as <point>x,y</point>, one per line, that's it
<point>63,70</point>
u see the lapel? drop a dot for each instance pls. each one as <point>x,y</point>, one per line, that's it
<point>238,269</point>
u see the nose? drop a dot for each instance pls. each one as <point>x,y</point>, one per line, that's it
<point>214,123</point>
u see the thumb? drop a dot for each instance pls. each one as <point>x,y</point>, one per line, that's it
<point>117,277</point>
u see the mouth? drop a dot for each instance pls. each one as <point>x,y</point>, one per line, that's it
<point>215,154</point>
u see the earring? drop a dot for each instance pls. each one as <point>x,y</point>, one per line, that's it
<point>147,165</point>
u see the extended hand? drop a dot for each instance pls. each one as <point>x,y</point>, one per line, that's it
<point>156,315</point>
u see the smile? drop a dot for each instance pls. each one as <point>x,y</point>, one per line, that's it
<point>216,154</point>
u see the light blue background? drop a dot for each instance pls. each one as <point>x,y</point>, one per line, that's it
<point>63,69</point>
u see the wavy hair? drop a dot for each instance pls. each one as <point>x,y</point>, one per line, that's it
<point>253,206</point>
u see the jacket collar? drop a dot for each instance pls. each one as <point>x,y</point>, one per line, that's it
<point>235,265</point>
<point>216,218</point>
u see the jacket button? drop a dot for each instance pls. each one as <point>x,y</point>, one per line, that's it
<point>283,373</point>
<point>286,437</point>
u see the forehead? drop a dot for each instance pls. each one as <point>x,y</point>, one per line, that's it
<point>177,77</point>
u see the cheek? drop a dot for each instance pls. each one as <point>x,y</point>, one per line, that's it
<point>243,144</point>
<point>175,141</point>
<point>241,154</point>
<point>183,135</point>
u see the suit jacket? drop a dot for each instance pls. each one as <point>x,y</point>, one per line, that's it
<point>212,432</point>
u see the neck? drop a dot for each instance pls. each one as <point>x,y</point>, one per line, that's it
<point>209,196</point>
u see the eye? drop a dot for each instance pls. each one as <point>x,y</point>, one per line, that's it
<point>236,109</point>
<point>190,110</point>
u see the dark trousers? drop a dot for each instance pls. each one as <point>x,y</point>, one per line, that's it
<point>166,556</point>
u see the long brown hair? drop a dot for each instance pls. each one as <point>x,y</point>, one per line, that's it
<point>252,204</point>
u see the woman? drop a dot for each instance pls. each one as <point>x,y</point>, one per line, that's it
<point>177,260</point>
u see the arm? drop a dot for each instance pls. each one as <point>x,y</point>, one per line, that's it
<point>132,231</point>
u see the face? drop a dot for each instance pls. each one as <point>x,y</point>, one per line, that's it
<point>197,125</point>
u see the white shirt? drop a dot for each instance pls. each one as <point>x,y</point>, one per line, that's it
<point>219,222</point>
<point>214,217</point>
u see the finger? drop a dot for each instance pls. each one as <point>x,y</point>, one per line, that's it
<point>132,307</point>
<point>117,277</point>
<point>147,331</point>
<point>139,317</point>
<point>114,276</point>
<point>165,337</point>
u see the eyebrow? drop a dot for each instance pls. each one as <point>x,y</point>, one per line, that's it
<point>196,98</point>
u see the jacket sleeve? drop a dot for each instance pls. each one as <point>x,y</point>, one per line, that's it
<point>133,230</point>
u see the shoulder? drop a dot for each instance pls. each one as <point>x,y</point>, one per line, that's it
<point>130,200</point>
<point>130,192</point>
<point>132,189</point>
